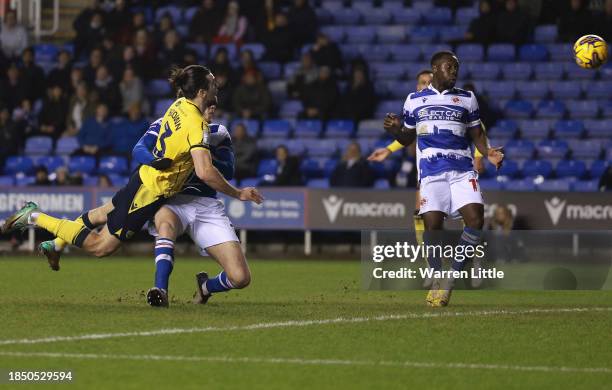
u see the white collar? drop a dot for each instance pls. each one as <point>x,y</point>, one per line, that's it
<point>430,86</point>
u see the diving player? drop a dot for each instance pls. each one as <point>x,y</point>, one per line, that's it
<point>443,119</point>
<point>182,144</point>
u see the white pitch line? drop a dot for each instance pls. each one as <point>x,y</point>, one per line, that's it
<point>312,362</point>
<point>301,323</point>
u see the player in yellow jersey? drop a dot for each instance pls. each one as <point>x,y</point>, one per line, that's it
<point>181,148</point>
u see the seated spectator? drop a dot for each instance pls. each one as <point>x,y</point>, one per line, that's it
<point>132,91</point>
<point>605,22</point>
<point>306,74</point>
<point>279,42</point>
<point>96,59</point>
<point>80,108</point>
<point>302,23</point>
<point>326,53</point>
<point>234,25</point>
<point>95,135</point>
<point>247,64</point>
<point>262,16</point>
<point>52,117</point>
<point>251,98</point>
<point>288,171</point>
<point>482,29</point>
<point>512,26</point>
<point>41,176</point>
<point>104,181</point>
<point>90,34</point>
<point>118,19</point>
<point>165,24</point>
<point>224,94</point>
<point>145,53</point>
<point>26,118</point>
<point>221,63</point>
<point>113,54</point>
<point>126,34</point>
<point>320,97</point>
<point>129,60</point>
<point>11,137</point>
<point>245,153</point>
<point>359,101</point>
<point>11,88</point>
<point>32,75</point>
<point>206,22</point>
<point>60,75</point>
<point>575,21</point>
<point>353,170</point>
<point>126,133</point>
<point>76,77</point>
<point>61,177</point>
<point>107,90</point>
<point>171,53</point>
<point>502,220</point>
<point>13,36</point>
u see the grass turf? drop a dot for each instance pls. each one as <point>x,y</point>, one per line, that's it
<point>107,296</point>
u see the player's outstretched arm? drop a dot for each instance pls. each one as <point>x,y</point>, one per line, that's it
<point>143,150</point>
<point>206,171</point>
<point>402,134</point>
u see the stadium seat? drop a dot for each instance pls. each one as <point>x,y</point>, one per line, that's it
<point>320,148</point>
<point>250,182</point>
<point>276,128</point>
<point>465,15</point>
<point>369,128</point>
<point>517,149</point>
<point>201,50</point>
<point>118,180</point>
<point>405,53</point>
<point>535,129</point>
<point>586,185</point>
<point>270,70</point>
<point>490,184</point>
<point>521,185</point>
<point>569,129</point>
<point>548,71</point>
<point>232,51</point>
<point>501,52</point>
<point>66,145</point>
<point>552,149</point>
<point>598,128</point>
<point>373,53</point>
<point>23,181</point>
<point>39,145</point>
<point>560,51</point>
<point>599,89</point>
<point>534,168</point>
<point>532,89</point>
<point>269,145</point>
<point>452,33</point>
<point>347,16</point>
<point>189,13</point>
<point>318,183</point>
<point>82,164</point>
<point>113,164</point>
<point>313,167</point>
<point>564,89</point>
<point>423,34</point>
<point>585,148</point>
<point>393,106</point>
<point>501,90</point>
<point>574,72</point>
<point>161,106</point>
<point>387,71</point>
<point>257,49</point>
<point>367,145</point>
<point>470,52</point>
<point>50,162</point>
<point>555,185</point>
<point>252,126</point>
<point>308,128</point>
<point>7,181</point>
<point>376,16</point>
<point>509,169</point>
<point>390,34</point>
<point>334,33</point>
<point>45,52</point>
<point>385,169</point>
<point>382,184</point>
<point>18,164</point>
<point>570,168</point>
<point>407,16</point>
<point>278,90</point>
<point>393,5</point>
<point>267,167</point>
<point>291,108</point>
<point>517,71</point>
<point>597,168</point>
<point>533,53</point>
<point>339,128</point>
<point>174,12</point>
<point>360,34</point>
<point>484,71</point>
<point>158,88</point>
<point>428,51</point>
<point>553,109</point>
<point>295,147</point>
<point>438,15</point>
<point>583,108</point>
<point>518,109</point>
<point>605,105</point>
<point>545,33</point>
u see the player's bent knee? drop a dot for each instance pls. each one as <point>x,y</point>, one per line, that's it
<point>240,278</point>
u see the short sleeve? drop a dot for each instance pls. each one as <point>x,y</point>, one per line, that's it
<point>409,119</point>
<point>198,134</point>
<point>473,112</point>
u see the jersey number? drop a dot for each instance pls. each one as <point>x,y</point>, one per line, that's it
<point>474,184</point>
<point>162,141</point>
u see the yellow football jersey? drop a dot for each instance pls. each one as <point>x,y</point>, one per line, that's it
<point>183,128</point>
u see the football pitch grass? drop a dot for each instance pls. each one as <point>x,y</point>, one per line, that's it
<point>301,324</point>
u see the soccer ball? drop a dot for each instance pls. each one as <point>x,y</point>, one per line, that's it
<point>590,51</point>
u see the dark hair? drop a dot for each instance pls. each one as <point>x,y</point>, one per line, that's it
<point>424,71</point>
<point>439,56</point>
<point>189,80</point>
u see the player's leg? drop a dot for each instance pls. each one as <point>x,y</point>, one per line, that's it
<point>235,275</point>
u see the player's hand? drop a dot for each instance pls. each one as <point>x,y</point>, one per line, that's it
<point>252,194</point>
<point>379,155</point>
<point>496,157</point>
<point>392,123</point>
<point>161,163</point>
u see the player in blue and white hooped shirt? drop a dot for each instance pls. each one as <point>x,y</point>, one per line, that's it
<point>445,121</point>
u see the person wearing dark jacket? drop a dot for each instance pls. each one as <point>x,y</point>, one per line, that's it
<point>52,117</point>
<point>326,53</point>
<point>482,29</point>
<point>245,152</point>
<point>288,170</point>
<point>319,98</point>
<point>353,170</point>
<point>251,98</point>
<point>512,26</point>
<point>302,22</point>
<point>279,42</point>
<point>576,21</point>
<point>359,100</point>
<point>206,22</point>
<point>32,75</point>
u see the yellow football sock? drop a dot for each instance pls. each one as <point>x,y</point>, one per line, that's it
<point>69,231</point>
<point>61,244</point>
<point>419,228</point>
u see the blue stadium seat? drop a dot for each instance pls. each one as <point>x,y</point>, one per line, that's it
<point>269,145</point>
<point>174,12</point>
<point>295,146</point>
<point>585,148</point>
<point>372,53</point>
<point>7,181</point>
<point>553,109</point>
<point>339,128</point>
<point>388,71</point>
<point>201,50</point>
<point>535,129</point>
<point>565,89</point>
<point>484,71</point>
<point>517,71</point>
<point>490,184</point>
<point>560,51</point>
<point>320,148</point>
<point>533,53</point>
<point>501,90</point>
<point>360,34</point>
<point>534,168</point>
<point>599,89</point>
<point>508,125</point>
<point>250,182</point>
<point>392,5</point>
<point>545,33</point>
<point>232,51</point>
<point>113,164</point>
<point>555,185</point>
<point>407,16</point>
<point>308,128</point>
<point>464,15</point>
<point>552,149</point>
<point>521,185</point>
<point>598,128</point>
<point>386,168</point>
<point>586,185</point>
<point>276,128</point>
<point>509,169</point>
<point>313,167</point>
<point>605,105</point>
<point>390,34</point>
<point>452,33</point>
<point>318,183</point>
<point>518,109</point>
<point>400,89</point>
<point>501,52</point>
<point>291,108</point>
<point>50,162</point>
<point>574,72</point>
<point>423,34</point>
<point>118,180</point>
<point>45,52</point>
<point>392,106</point>
<point>382,184</point>
<point>267,167</point>
<point>82,164</point>
<point>367,145</point>
<point>334,33</point>
<point>502,133</point>
<point>347,16</point>
<point>583,108</point>
<point>39,145</point>
<point>161,106</point>
<point>66,145</point>
<point>470,52</point>
<point>257,49</point>
<point>438,15</point>
<point>18,164</point>
<point>278,90</point>
<point>517,149</point>
<point>369,128</point>
<point>270,70</point>
<point>548,71</point>
<point>569,129</point>
<point>252,126</point>
<point>158,88</point>
<point>377,16</point>
<point>597,168</point>
<point>23,181</point>
<point>405,53</point>
<point>324,16</point>
<point>290,68</point>
<point>189,13</point>
<point>532,89</point>
<point>428,50</point>
<point>570,168</point>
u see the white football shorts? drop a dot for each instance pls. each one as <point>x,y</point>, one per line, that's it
<point>449,191</point>
<point>203,219</point>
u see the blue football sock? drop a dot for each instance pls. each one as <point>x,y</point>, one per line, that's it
<point>469,238</point>
<point>164,262</point>
<point>219,283</point>
<point>433,259</point>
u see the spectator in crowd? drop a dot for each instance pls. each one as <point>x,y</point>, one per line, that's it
<point>95,134</point>
<point>245,153</point>
<point>41,176</point>
<point>224,94</point>
<point>482,29</point>
<point>60,75</point>
<point>83,19</point>
<point>247,64</point>
<point>26,118</point>
<point>221,63</point>
<point>104,181</point>
<point>145,53</point>
<point>171,53</point>
<point>234,25</point>
<point>61,177</point>
<point>113,54</point>
<point>52,117</point>
<point>132,91</point>
<point>263,16</point>
<point>11,90</point>
<point>32,75</point>
<point>76,77</point>
<point>353,170</point>
<point>90,35</point>
<point>118,20</point>
<point>164,25</point>
<point>502,220</point>
<point>359,101</point>
<point>513,26</point>
<point>279,42</point>
<point>575,21</point>
<point>288,169</point>
<point>206,22</point>
<point>302,23</point>
<point>304,75</point>
<point>605,181</point>
<point>80,108</point>
<point>320,97</point>
<point>96,59</point>
<point>13,36</point>
<point>107,90</point>
<point>605,22</point>
<point>326,53</point>
<point>129,60</point>
<point>251,98</point>
<point>126,133</point>
<point>11,137</point>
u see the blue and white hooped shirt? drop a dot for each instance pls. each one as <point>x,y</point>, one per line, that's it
<point>442,121</point>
